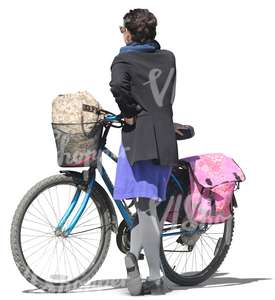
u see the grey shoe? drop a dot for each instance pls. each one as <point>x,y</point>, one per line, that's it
<point>134,282</point>
<point>154,287</point>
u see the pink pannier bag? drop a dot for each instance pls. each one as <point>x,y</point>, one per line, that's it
<point>213,178</point>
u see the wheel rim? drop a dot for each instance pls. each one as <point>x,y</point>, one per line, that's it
<point>51,256</point>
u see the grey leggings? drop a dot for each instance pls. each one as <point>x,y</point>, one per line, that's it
<point>146,234</point>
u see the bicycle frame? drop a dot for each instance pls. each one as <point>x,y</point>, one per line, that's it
<point>120,205</point>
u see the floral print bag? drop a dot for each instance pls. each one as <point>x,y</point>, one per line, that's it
<point>213,178</point>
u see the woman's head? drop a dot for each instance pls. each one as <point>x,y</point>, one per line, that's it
<point>139,26</point>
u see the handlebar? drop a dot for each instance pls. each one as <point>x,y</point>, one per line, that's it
<point>108,117</point>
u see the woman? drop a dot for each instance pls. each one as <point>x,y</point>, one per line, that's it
<point>143,84</point>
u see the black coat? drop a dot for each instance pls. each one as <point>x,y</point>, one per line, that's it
<point>147,81</point>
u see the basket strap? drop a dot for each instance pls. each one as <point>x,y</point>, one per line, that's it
<point>90,108</point>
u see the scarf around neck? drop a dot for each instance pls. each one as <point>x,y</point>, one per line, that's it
<point>150,46</point>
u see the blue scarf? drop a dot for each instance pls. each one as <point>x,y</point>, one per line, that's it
<point>150,46</point>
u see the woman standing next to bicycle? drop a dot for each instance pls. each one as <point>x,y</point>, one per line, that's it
<point>143,84</point>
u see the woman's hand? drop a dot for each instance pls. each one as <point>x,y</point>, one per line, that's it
<point>130,121</point>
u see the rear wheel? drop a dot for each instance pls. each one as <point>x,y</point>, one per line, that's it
<point>47,259</point>
<point>191,259</point>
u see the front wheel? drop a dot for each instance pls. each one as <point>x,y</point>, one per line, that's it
<point>48,260</point>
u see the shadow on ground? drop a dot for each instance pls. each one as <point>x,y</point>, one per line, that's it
<point>217,280</point>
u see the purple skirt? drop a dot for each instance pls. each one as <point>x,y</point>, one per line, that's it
<point>143,179</point>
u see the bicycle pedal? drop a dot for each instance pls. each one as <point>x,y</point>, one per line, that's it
<point>141,256</point>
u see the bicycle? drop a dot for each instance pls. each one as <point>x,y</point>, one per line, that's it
<point>57,251</point>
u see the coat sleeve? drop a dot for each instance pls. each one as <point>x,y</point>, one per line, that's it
<point>121,89</point>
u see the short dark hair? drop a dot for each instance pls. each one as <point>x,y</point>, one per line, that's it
<point>141,23</point>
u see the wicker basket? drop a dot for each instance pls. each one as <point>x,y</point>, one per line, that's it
<point>77,128</point>
<point>76,145</point>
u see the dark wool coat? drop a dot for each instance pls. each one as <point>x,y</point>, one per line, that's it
<point>143,85</point>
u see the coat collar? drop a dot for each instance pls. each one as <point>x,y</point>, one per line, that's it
<point>150,46</point>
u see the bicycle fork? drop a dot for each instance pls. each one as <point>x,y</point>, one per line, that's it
<point>67,231</point>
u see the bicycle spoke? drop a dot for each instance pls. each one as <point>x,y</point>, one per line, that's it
<point>52,257</point>
<point>195,254</point>
<point>33,238</point>
<point>170,244</point>
<point>36,230</point>
<point>83,224</point>
<point>35,252</point>
<point>75,241</point>
<point>75,247</point>
<point>45,222</point>
<point>66,257</point>
<point>76,259</point>
<point>179,254</point>
<point>212,250</point>
<point>85,239</point>
<point>50,204</point>
<point>37,243</point>
<point>193,257</point>
<point>44,214</point>
<point>168,237</point>
<point>35,222</point>
<point>53,206</point>
<point>171,253</point>
<point>73,255</point>
<point>201,254</point>
<point>205,249</point>
<point>58,203</point>
<point>213,240</point>
<point>183,254</point>
<point>38,260</point>
<point>87,209</point>
<point>186,262</point>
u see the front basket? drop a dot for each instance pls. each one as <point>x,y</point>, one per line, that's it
<point>77,143</point>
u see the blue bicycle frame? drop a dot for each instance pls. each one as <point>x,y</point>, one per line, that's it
<point>126,216</point>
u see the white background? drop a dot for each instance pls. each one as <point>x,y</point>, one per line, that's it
<point>225,54</point>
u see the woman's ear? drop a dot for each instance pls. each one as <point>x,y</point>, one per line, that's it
<point>127,37</point>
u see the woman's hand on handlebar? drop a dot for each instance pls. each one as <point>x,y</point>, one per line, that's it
<point>112,118</point>
<point>130,121</point>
